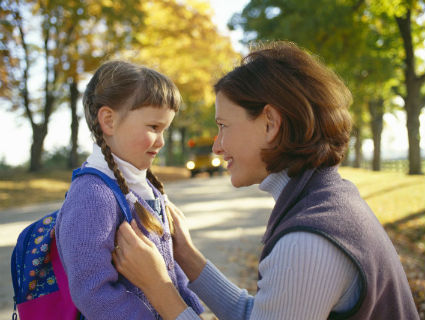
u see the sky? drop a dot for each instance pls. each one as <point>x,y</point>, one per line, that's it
<point>16,133</point>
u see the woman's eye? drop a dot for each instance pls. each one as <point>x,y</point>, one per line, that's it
<point>154,127</point>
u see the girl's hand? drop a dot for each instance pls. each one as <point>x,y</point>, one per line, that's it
<point>186,254</point>
<point>138,259</point>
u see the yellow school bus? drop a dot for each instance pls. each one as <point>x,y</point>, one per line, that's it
<point>201,157</point>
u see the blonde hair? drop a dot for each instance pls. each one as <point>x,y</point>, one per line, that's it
<point>124,86</point>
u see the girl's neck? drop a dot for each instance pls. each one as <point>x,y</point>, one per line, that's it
<point>135,178</point>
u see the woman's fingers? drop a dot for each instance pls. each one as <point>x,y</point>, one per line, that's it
<point>125,233</point>
<point>175,212</point>
<point>177,215</point>
<point>116,260</point>
<point>130,234</point>
<point>136,230</point>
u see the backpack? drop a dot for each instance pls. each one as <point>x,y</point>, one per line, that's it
<point>40,284</point>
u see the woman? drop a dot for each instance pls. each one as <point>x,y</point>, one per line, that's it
<point>284,123</point>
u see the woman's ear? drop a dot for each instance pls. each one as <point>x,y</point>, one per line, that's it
<point>273,122</point>
<point>106,117</point>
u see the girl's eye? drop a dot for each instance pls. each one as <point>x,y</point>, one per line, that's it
<point>154,127</point>
<point>220,125</point>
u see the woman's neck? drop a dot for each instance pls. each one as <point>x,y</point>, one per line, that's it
<point>274,183</point>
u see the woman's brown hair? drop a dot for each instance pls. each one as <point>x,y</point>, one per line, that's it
<point>124,86</point>
<point>312,101</point>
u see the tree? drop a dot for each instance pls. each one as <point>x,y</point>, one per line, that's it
<point>407,16</point>
<point>413,84</point>
<point>19,54</point>
<point>56,34</point>
<point>352,35</point>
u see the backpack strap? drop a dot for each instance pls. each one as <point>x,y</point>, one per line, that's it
<point>112,184</point>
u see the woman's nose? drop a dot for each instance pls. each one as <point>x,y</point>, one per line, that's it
<point>216,148</point>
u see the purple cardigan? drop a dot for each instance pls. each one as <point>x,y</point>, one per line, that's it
<point>85,233</point>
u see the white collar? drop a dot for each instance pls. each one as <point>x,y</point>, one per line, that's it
<point>274,183</point>
<point>135,178</point>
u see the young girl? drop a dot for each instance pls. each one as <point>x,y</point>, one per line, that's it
<point>127,109</point>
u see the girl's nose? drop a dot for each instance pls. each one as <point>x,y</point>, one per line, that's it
<point>160,140</point>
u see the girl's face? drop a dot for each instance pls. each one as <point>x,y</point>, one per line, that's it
<point>240,141</point>
<point>137,136</point>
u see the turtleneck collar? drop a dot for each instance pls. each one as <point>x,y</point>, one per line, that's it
<point>274,183</point>
<point>135,178</point>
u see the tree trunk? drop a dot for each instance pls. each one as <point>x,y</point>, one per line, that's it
<point>358,155</point>
<point>169,147</point>
<point>413,94</point>
<point>376,109</point>
<point>183,131</point>
<point>73,155</point>
<point>345,162</point>
<point>413,134</point>
<point>39,133</point>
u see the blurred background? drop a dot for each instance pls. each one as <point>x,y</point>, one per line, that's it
<point>49,49</point>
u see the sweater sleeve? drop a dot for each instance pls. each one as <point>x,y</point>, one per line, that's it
<point>304,277</point>
<point>85,236</point>
<point>189,297</point>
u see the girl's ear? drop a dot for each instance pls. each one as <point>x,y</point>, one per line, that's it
<point>273,122</point>
<point>106,117</point>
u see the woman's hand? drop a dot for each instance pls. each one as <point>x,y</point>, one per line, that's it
<point>135,256</point>
<point>182,241</point>
<point>138,259</point>
<point>186,254</point>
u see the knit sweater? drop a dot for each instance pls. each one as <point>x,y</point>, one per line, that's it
<point>85,234</point>
<point>283,295</point>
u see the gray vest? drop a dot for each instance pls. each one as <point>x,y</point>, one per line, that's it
<point>319,201</point>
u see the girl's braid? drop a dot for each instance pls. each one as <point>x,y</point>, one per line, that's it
<point>158,184</point>
<point>154,180</point>
<point>107,153</point>
<point>146,218</point>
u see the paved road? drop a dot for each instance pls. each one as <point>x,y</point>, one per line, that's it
<point>224,222</point>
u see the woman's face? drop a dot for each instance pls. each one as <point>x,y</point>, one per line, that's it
<point>240,141</point>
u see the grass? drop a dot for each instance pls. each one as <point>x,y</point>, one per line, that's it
<point>391,195</point>
<point>19,188</point>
